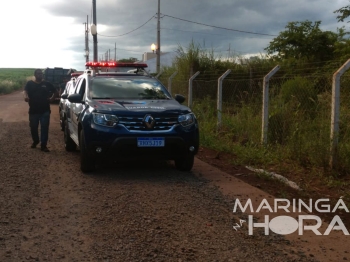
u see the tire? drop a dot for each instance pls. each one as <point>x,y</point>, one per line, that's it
<point>185,163</point>
<point>62,126</point>
<point>69,144</point>
<point>87,162</point>
<point>61,119</point>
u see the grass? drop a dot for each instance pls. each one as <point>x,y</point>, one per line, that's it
<point>301,156</point>
<point>295,139</point>
<point>12,79</point>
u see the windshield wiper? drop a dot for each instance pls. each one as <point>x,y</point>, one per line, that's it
<point>102,97</point>
<point>154,97</point>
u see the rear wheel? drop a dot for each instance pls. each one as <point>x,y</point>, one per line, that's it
<point>62,125</point>
<point>87,162</point>
<point>184,163</point>
<point>61,120</point>
<point>68,141</point>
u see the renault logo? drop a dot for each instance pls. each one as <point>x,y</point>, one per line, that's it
<point>149,121</point>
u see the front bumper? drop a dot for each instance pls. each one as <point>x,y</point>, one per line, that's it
<point>120,143</point>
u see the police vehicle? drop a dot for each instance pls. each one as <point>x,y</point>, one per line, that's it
<point>56,76</point>
<point>118,111</point>
<point>68,90</point>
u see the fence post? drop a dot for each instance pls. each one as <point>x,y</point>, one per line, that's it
<point>169,81</point>
<point>265,105</point>
<point>219,99</point>
<point>190,89</point>
<point>335,111</point>
<point>161,72</point>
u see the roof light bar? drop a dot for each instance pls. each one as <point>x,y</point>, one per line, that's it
<point>75,74</point>
<point>114,64</point>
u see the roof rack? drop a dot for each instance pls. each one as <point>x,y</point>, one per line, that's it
<point>114,64</point>
<point>93,68</point>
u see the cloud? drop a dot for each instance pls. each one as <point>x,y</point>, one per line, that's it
<point>59,23</point>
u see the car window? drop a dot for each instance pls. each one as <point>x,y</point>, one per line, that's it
<point>71,88</point>
<point>127,88</point>
<point>66,90</point>
<point>78,86</point>
<point>82,87</point>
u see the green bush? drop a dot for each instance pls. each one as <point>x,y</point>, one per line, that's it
<point>299,93</point>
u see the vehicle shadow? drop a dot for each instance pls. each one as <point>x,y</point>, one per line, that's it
<point>140,169</point>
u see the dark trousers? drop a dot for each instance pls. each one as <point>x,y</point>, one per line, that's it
<point>44,120</point>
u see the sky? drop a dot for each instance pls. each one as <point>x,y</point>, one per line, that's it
<point>51,33</point>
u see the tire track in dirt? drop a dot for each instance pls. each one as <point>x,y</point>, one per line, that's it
<point>138,211</point>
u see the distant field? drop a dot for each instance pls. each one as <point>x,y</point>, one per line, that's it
<point>12,79</point>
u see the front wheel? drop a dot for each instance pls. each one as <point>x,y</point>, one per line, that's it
<point>87,162</point>
<point>184,163</point>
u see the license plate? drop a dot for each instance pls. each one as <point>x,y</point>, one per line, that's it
<point>150,141</point>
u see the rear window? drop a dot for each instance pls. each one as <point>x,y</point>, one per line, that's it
<point>127,88</point>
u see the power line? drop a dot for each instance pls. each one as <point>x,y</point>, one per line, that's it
<point>224,28</point>
<point>130,31</point>
<point>135,51</point>
<point>196,32</point>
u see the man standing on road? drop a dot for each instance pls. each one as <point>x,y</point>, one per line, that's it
<point>38,94</point>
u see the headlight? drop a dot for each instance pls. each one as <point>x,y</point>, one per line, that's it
<point>105,119</point>
<point>186,120</point>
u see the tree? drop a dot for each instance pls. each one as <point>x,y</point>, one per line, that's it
<point>130,60</point>
<point>188,60</point>
<point>304,40</point>
<point>344,13</point>
<point>342,47</point>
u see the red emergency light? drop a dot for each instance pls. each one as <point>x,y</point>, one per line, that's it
<point>75,74</point>
<point>114,64</point>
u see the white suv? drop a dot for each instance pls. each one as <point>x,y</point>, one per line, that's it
<point>69,89</point>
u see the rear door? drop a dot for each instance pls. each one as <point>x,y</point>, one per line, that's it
<point>63,102</point>
<point>77,108</point>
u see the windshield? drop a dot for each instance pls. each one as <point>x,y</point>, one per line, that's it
<point>126,88</point>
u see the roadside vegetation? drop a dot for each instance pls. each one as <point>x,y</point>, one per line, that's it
<point>12,79</point>
<point>299,103</point>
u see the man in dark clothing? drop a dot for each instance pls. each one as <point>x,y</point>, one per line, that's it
<point>38,94</point>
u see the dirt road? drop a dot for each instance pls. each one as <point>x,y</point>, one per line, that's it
<point>50,211</point>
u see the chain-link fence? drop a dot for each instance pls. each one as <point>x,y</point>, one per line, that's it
<point>299,113</point>
<point>299,117</point>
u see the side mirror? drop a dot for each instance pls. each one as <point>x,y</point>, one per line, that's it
<point>64,96</point>
<point>75,98</point>
<point>180,98</point>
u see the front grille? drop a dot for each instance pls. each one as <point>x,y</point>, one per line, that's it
<point>136,123</point>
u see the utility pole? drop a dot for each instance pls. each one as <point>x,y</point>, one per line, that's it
<point>251,79</point>
<point>115,52</point>
<point>158,39</point>
<point>229,52</point>
<point>95,33</point>
<point>87,39</point>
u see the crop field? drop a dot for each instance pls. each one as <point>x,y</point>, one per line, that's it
<point>12,79</point>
